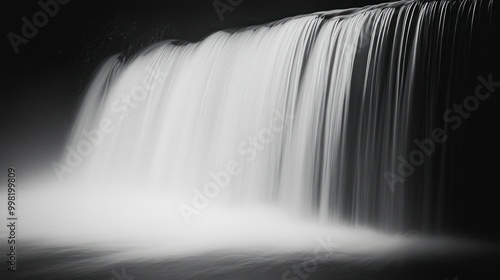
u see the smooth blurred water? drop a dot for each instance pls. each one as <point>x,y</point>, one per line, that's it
<point>423,259</point>
<point>308,114</point>
<point>230,157</point>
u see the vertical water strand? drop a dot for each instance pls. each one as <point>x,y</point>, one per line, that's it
<point>288,101</point>
<point>350,35</point>
<point>335,91</point>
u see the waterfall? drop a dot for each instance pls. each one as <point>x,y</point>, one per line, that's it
<point>312,114</point>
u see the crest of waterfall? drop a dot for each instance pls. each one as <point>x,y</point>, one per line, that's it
<point>315,110</point>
